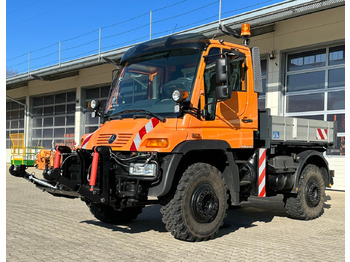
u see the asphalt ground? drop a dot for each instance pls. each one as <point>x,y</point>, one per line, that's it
<point>40,227</point>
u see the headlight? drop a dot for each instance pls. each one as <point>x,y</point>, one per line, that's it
<point>179,95</point>
<point>140,169</point>
<point>176,95</point>
<point>94,104</point>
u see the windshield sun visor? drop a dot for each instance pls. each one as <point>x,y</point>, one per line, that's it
<point>184,41</point>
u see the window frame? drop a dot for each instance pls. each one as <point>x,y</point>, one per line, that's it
<point>263,96</point>
<point>66,139</point>
<point>9,120</point>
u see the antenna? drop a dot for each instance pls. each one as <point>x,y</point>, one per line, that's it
<point>150,25</point>
<point>220,5</point>
<point>174,29</point>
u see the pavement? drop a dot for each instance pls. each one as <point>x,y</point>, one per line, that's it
<point>40,227</point>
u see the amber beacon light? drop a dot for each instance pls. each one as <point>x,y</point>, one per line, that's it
<point>245,30</point>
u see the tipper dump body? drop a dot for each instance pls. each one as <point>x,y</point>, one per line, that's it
<point>292,130</point>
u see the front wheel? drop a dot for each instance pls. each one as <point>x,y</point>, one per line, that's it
<point>309,201</point>
<point>198,208</point>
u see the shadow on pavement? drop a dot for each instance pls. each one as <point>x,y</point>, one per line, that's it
<point>252,211</point>
<point>245,216</point>
<point>149,220</point>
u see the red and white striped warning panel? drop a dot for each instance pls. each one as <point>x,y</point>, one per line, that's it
<point>86,140</point>
<point>321,134</point>
<point>144,130</point>
<point>262,172</point>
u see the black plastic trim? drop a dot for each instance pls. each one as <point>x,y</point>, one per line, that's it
<point>230,173</point>
<point>187,146</point>
<point>169,167</point>
<point>231,177</point>
<point>302,158</point>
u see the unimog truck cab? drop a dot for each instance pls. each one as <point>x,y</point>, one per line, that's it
<point>181,128</point>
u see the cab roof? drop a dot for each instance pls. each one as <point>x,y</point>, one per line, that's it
<point>184,41</point>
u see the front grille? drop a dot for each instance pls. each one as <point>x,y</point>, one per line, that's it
<point>122,139</point>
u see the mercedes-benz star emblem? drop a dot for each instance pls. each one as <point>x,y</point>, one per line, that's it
<point>112,139</point>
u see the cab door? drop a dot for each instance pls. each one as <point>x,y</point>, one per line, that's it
<point>235,107</point>
<point>226,120</point>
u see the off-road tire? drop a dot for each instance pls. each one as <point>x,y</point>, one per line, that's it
<point>308,203</point>
<point>199,205</point>
<point>108,214</point>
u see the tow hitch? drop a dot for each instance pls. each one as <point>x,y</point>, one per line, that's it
<point>58,186</point>
<point>54,189</point>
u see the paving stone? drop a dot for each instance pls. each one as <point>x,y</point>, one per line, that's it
<point>41,227</point>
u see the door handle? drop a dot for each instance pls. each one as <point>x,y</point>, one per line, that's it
<point>246,120</point>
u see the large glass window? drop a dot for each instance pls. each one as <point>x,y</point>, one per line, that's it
<point>315,87</point>
<point>147,82</point>
<point>14,119</point>
<point>307,60</point>
<point>53,120</point>
<point>301,103</point>
<point>306,81</point>
<point>100,93</point>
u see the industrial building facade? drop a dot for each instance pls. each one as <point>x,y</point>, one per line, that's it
<point>302,45</point>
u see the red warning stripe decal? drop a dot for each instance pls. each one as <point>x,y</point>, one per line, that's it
<point>143,131</point>
<point>321,134</point>
<point>262,172</point>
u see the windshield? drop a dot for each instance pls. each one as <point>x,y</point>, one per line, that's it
<point>147,82</point>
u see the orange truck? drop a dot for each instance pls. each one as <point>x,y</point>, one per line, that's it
<point>181,128</point>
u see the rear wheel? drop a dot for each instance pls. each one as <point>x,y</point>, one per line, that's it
<point>108,214</point>
<point>309,201</point>
<point>199,205</point>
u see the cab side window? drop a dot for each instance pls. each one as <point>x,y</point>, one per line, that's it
<point>210,83</point>
<point>237,73</point>
<point>235,76</point>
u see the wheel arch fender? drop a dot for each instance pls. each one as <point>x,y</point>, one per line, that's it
<point>182,156</point>
<point>311,157</point>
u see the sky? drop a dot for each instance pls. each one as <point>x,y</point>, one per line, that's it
<point>48,32</point>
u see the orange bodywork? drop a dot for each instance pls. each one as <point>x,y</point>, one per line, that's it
<point>229,124</point>
<point>127,129</point>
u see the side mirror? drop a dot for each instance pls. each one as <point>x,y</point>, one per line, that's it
<point>222,93</point>
<point>222,70</point>
<point>224,90</point>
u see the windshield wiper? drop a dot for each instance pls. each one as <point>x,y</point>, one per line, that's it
<point>146,112</point>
